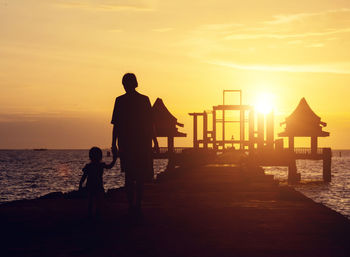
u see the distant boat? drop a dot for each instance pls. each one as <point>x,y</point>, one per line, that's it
<point>40,149</point>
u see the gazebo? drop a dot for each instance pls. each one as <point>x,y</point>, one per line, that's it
<point>165,123</point>
<point>303,122</point>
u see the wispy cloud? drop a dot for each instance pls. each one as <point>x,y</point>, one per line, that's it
<point>337,68</point>
<point>289,39</point>
<point>280,19</point>
<point>316,45</point>
<point>121,5</point>
<point>162,29</point>
<point>286,35</point>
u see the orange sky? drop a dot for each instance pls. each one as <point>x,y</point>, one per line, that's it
<point>61,62</point>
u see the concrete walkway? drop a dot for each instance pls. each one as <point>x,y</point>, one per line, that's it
<point>208,211</point>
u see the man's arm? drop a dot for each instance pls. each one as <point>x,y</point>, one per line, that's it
<point>110,166</point>
<point>114,138</point>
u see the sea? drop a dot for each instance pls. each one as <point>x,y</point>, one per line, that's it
<point>28,174</point>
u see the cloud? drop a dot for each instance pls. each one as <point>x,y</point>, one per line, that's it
<point>281,19</point>
<point>103,5</point>
<point>310,37</point>
<point>316,45</point>
<point>286,35</point>
<point>337,68</point>
<point>162,29</point>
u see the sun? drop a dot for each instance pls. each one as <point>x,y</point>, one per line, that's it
<point>264,102</point>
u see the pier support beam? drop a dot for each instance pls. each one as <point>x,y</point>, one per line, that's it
<point>251,131</point>
<point>327,164</point>
<point>242,129</point>
<point>171,153</point>
<point>214,129</point>
<point>270,131</point>
<point>314,145</point>
<point>195,131</point>
<point>261,131</point>
<point>293,175</point>
<point>291,143</point>
<point>205,130</point>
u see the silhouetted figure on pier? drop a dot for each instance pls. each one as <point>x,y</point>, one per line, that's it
<point>134,130</point>
<point>93,173</point>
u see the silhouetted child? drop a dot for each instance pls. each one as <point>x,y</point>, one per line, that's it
<point>93,172</point>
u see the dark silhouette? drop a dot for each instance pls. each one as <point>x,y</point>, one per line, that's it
<point>93,172</point>
<point>134,130</point>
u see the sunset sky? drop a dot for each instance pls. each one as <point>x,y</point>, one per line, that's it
<point>61,62</point>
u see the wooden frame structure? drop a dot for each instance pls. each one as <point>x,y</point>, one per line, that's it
<point>260,142</point>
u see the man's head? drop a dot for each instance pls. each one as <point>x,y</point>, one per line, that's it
<point>129,82</point>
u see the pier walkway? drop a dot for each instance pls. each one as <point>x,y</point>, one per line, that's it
<point>206,211</point>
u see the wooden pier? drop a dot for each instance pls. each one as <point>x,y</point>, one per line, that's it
<point>259,143</point>
<point>255,141</point>
<point>202,211</point>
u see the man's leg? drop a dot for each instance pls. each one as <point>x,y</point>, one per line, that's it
<point>129,188</point>
<point>139,193</point>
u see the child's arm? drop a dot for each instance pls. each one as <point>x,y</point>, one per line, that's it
<point>83,178</point>
<point>110,166</point>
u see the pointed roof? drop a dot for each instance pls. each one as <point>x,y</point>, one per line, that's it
<point>164,121</point>
<point>304,122</point>
<point>162,113</point>
<point>303,112</point>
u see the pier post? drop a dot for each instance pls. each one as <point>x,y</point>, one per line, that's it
<point>214,129</point>
<point>205,130</point>
<point>251,131</point>
<point>195,137</point>
<point>261,121</point>
<point>242,129</point>
<point>314,145</point>
<point>270,130</point>
<point>327,164</point>
<point>293,175</point>
<point>291,143</point>
<point>171,153</point>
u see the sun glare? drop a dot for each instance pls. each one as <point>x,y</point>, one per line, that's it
<point>264,102</point>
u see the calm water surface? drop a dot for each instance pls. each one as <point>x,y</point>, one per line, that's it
<point>27,174</point>
<point>336,194</point>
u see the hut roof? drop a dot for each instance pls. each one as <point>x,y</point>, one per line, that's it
<point>165,122</point>
<point>304,122</point>
<point>303,112</point>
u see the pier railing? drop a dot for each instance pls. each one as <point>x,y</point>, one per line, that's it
<point>163,150</point>
<point>306,153</point>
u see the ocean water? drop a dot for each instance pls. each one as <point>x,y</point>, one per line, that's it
<point>27,174</point>
<point>336,194</point>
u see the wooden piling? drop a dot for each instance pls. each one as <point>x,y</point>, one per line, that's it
<point>327,164</point>
<point>293,175</point>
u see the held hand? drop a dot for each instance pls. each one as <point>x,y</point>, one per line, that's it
<point>114,152</point>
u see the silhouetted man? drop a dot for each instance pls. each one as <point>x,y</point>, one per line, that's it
<point>133,128</point>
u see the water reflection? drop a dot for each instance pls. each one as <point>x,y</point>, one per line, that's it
<point>335,194</point>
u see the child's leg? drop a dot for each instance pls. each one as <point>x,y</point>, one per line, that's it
<point>99,203</point>
<point>90,204</point>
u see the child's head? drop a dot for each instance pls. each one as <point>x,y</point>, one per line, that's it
<point>95,154</point>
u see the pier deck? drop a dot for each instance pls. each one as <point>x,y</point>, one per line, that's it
<point>207,211</point>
